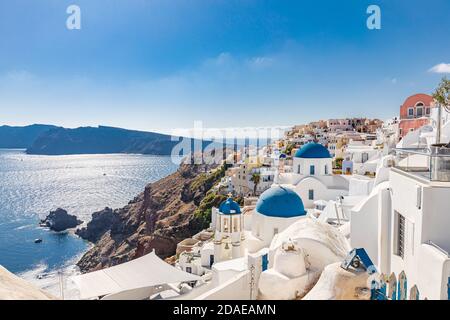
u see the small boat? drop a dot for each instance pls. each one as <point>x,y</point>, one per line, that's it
<point>37,240</point>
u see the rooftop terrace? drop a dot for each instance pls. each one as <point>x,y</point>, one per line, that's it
<point>431,164</point>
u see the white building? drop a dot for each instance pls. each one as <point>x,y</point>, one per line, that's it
<point>362,158</point>
<point>312,177</point>
<point>404,223</point>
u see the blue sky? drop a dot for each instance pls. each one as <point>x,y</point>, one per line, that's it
<point>162,64</point>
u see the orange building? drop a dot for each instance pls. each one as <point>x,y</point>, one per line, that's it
<point>415,113</point>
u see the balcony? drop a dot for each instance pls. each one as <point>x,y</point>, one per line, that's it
<point>432,164</point>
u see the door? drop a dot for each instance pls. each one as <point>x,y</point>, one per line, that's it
<point>265,262</point>
<point>402,286</point>
<point>211,260</point>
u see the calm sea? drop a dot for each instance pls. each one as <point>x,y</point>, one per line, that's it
<point>31,186</point>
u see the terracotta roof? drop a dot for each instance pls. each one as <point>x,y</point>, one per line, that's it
<point>412,100</point>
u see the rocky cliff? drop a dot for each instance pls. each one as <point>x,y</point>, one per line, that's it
<point>168,211</point>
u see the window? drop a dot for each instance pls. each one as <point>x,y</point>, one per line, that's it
<point>312,170</point>
<point>410,112</point>
<point>365,157</point>
<point>189,269</point>
<point>298,169</point>
<point>311,194</point>
<point>427,111</point>
<point>400,245</point>
<point>275,231</point>
<point>320,207</point>
<point>326,169</point>
<point>419,111</point>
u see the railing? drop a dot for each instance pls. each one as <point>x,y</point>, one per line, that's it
<point>432,164</point>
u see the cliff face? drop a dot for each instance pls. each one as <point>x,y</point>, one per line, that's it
<point>157,219</point>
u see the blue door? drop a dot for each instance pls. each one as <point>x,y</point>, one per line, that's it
<point>265,262</point>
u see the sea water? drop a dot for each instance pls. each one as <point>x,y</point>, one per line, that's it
<point>31,186</point>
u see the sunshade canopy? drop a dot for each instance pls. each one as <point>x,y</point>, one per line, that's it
<point>146,271</point>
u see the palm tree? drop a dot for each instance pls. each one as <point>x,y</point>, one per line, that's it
<point>256,179</point>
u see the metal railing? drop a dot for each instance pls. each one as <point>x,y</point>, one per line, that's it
<point>430,163</point>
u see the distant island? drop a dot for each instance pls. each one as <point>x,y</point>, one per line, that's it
<point>53,140</point>
<point>21,137</point>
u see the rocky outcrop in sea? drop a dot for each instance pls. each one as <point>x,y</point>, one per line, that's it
<point>60,220</point>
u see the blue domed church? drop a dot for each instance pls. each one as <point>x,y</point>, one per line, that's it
<point>312,177</point>
<point>312,159</point>
<point>276,209</point>
<point>229,234</point>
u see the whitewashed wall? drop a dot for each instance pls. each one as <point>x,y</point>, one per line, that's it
<point>236,288</point>
<point>264,227</point>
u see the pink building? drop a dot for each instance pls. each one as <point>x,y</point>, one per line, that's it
<point>415,113</point>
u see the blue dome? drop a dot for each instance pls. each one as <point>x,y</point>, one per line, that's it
<point>313,150</point>
<point>229,206</point>
<point>280,202</point>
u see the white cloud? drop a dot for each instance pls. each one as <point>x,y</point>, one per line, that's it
<point>260,62</point>
<point>441,68</point>
<point>19,76</point>
<point>224,59</point>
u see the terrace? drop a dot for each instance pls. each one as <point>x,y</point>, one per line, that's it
<point>432,164</point>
